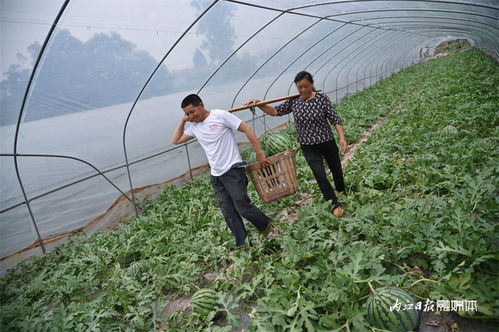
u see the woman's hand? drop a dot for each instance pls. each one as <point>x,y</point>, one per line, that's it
<point>251,102</point>
<point>270,110</point>
<point>341,135</point>
<point>343,145</point>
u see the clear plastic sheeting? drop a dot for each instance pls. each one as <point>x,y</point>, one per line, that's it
<point>24,25</point>
<point>72,207</point>
<point>90,91</point>
<point>16,230</point>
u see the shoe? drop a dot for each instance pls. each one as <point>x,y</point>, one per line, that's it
<point>338,212</point>
<point>341,194</point>
<point>268,229</point>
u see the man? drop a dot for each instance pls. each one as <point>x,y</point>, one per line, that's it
<point>214,130</point>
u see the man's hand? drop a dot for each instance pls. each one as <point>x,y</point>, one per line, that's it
<point>262,159</point>
<point>260,155</point>
<point>178,136</point>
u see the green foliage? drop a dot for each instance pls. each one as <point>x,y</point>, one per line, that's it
<point>421,214</point>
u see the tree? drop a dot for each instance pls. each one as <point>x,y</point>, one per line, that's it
<point>11,94</point>
<point>215,26</point>
<point>199,59</point>
<point>76,76</point>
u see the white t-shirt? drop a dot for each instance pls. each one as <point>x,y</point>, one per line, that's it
<point>216,136</point>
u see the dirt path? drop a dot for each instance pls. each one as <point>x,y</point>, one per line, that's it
<point>364,137</point>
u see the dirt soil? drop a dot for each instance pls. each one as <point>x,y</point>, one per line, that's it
<point>451,322</point>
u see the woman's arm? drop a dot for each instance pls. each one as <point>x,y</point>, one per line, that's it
<point>269,109</point>
<point>335,120</point>
<point>341,135</point>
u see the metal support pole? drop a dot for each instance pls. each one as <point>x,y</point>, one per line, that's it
<point>353,51</point>
<point>21,111</point>
<point>188,160</point>
<point>370,56</point>
<point>253,111</point>
<point>125,127</point>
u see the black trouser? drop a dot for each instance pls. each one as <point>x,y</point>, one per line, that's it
<point>315,154</point>
<point>232,195</point>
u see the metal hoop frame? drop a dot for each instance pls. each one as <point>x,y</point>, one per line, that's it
<point>474,29</point>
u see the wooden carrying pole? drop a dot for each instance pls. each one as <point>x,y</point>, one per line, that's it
<point>263,102</point>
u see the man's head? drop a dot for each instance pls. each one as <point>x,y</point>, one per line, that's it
<point>193,108</point>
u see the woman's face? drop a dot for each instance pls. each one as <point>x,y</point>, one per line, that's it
<point>305,88</point>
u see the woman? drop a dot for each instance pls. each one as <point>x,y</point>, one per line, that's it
<point>311,111</point>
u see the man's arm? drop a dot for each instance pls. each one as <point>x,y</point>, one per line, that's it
<point>260,155</point>
<point>178,136</point>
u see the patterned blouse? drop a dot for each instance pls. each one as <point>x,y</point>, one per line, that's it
<point>311,118</point>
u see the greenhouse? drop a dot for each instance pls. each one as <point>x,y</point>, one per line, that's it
<point>110,221</point>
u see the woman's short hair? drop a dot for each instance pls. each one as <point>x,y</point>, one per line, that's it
<point>191,99</point>
<point>304,75</point>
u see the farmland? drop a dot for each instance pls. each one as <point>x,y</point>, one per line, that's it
<point>421,214</point>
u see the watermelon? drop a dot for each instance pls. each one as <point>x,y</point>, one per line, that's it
<point>205,301</point>
<point>449,130</point>
<point>128,257</point>
<point>400,319</point>
<point>252,157</point>
<point>273,144</point>
<point>249,155</point>
<point>137,269</point>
